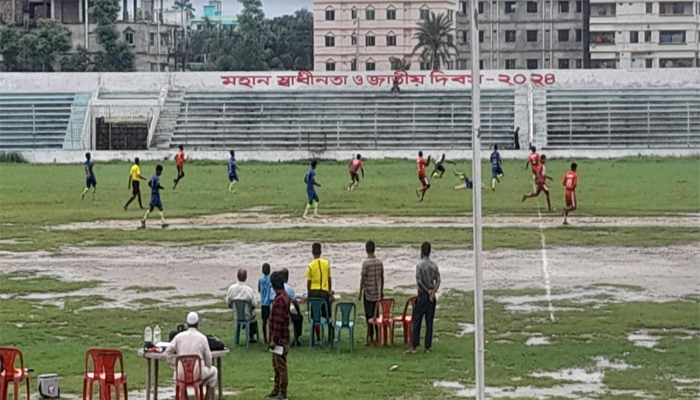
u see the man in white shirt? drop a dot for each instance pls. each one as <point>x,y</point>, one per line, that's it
<point>243,292</point>
<point>192,342</point>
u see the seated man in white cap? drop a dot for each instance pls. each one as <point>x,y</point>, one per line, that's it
<point>193,342</point>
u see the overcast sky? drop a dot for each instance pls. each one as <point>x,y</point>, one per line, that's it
<point>273,8</point>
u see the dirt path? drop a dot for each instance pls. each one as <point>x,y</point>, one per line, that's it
<point>665,272</point>
<point>272,221</point>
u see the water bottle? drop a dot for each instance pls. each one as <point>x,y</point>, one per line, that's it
<point>156,335</point>
<point>148,335</point>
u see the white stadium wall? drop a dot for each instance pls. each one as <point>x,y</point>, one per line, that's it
<point>365,81</point>
<point>531,89</point>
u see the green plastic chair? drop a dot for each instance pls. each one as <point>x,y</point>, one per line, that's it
<point>240,306</point>
<point>317,308</point>
<point>346,309</point>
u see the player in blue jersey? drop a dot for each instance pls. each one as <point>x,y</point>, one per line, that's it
<point>496,169</point>
<point>468,183</point>
<point>90,180</point>
<point>312,196</point>
<point>156,187</point>
<point>232,172</point>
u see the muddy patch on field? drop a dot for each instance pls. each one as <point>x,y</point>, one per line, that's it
<point>572,383</point>
<point>257,219</point>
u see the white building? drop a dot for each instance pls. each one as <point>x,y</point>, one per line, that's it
<point>386,30</point>
<point>644,34</point>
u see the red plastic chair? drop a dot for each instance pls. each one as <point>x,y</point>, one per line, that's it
<point>383,320</point>
<point>89,377</point>
<point>106,361</point>
<point>407,321</point>
<point>8,356</point>
<point>190,365</point>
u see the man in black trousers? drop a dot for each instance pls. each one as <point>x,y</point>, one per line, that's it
<point>428,281</point>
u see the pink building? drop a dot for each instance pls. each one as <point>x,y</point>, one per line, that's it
<point>386,30</point>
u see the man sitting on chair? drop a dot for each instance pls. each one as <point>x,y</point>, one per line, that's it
<point>193,343</point>
<point>243,292</point>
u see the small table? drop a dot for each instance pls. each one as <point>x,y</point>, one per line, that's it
<point>157,357</point>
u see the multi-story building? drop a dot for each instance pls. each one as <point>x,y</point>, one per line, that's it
<point>523,34</point>
<point>211,14</point>
<point>363,35</point>
<point>151,42</point>
<point>644,34</point>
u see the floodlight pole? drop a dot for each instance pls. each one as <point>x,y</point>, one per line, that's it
<point>476,176</point>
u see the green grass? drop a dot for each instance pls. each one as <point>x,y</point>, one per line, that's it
<point>25,283</point>
<point>31,238</point>
<point>55,339</point>
<point>49,194</point>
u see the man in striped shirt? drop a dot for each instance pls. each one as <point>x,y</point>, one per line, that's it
<point>279,336</point>
<point>371,288</point>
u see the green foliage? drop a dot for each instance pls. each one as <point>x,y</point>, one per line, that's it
<point>12,157</point>
<point>117,55</point>
<point>34,51</point>
<point>77,62</point>
<point>254,30</point>
<point>398,64</point>
<point>434,40</point>
<point>291,42</point>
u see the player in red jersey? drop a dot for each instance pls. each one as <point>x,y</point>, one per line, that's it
<point>541,183</point>
<point>354,177</point>
<point>533,160</point>
<point>421,163</point>
<point>180,165</point>
<point>570,180</point>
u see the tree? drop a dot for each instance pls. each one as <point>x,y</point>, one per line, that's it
<point>185,7</point>
<point>399,64</point>
<point>291,42</point>
<point>254,30</point>
<point>35,51</point>
<point>77,62</point>
<point>435,40</point>
<point>10,47</point>
<point>117,55</point>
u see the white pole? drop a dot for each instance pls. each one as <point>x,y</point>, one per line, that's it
<point>476,175</point>
<point>87,40</point>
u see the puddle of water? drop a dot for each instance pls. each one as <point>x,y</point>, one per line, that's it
<point>570,390</point>
<point>537,341</point>
<point>643,338</point>
<point>572,375</point>
<point>604,363</point>
<point>466,329</point>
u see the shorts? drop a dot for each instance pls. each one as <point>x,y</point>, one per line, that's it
<point>232,177</point>
<point>440,168</point>
<point>91,181</point>
<point>155,201</point>
<point>570,197</point>
<point>496,170</point>
<point>541,187</point>
<point>424,180</point>
<point>135,187</point>
<point>354,176</point>
<point>265,311</point>
<point>311,194</point>
<point>469,184</point>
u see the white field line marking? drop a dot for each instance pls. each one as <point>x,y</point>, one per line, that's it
<point>545,264</point>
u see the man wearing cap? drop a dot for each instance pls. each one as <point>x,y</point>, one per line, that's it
<point>192,342</point>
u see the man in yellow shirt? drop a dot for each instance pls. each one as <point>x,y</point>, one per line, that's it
<point>319,283</point>
<point>134,184</point>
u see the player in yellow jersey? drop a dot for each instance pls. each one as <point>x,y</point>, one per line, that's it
<point>134,184</point>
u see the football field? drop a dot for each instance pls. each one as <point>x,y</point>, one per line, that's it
<point>620,320</point>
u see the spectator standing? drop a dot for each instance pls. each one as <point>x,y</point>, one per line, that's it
<point>319,284</point>
<point>279,336</point>
<point>298,317</point>
<point>371,288</point>
<point>266,296</point>
<point>428,282</point>
<point>241,291</point>
<point>189,343</point>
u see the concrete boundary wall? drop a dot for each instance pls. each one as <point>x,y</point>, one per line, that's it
<point>364,81</point>
<point>73,157</point>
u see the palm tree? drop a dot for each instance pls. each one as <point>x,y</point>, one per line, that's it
<point>185,7</point>
<point>435,40</point>
<point>399,64</point>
